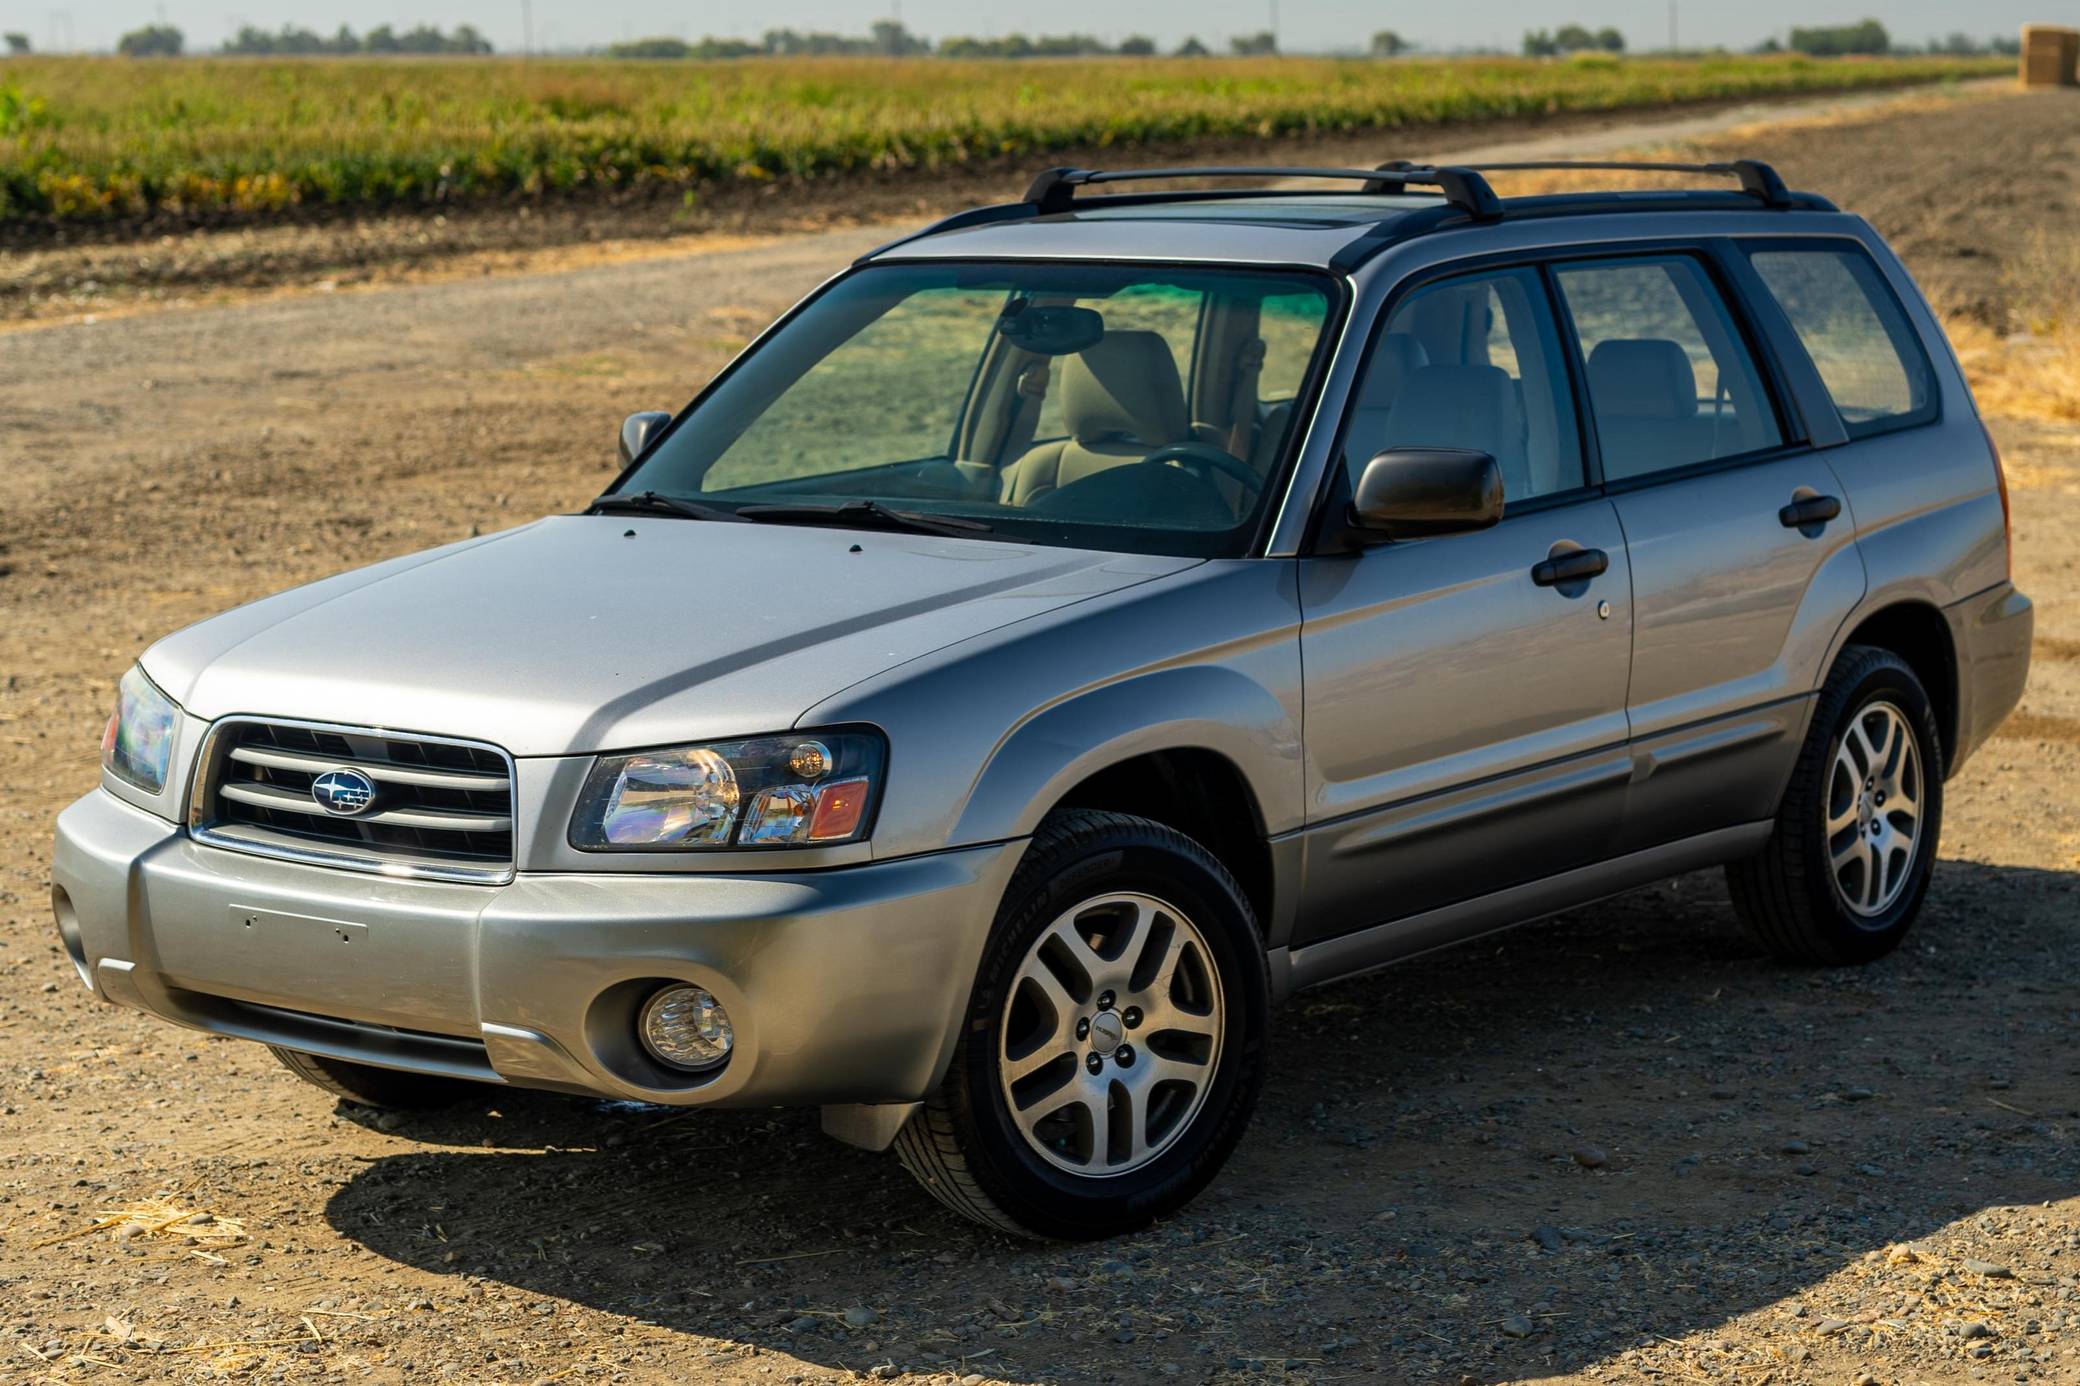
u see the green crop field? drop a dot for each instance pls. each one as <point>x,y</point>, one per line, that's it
<point>104,139</point>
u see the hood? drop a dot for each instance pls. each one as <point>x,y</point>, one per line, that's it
<point>586,633</point>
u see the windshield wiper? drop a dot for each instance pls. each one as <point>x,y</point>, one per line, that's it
<point>867,514</point>
<point>653,503</point>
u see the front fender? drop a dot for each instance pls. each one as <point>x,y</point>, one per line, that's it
<point>1207,707</point>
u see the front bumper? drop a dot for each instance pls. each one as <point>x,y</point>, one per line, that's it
<point>843,986</point>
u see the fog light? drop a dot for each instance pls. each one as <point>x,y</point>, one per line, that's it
<point>685,1027</point>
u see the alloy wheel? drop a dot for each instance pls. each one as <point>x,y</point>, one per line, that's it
<point>1873,809</point>
<point>1111,1034</point>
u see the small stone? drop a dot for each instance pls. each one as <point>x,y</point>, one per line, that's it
<point>1517,1326</point>
<point>1548,1238</point>
<point>1979,1350</point>
<point>803,1324</point>
<point>1973,1328</point>
<point>390,1121</point>
<point>1724,1094</point>
<point>1591,1156</point>
<point>1060,1282</point>
<point>1987,1269</point>
<point>859,1316</point>
<point>1868,1380</point>
<point>1794,1146</point>
<point>49,988</point>
<point>1871,1171</point>
<point>1856,1094</point>
<point>1804,1170</point>
<point>1830,1327</point>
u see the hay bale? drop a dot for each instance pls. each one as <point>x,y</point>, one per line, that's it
<point>2050,53</point>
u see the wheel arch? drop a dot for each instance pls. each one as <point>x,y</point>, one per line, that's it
<point>1204,750</point>
<point>1916,631</point>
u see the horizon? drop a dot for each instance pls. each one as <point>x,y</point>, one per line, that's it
<point>1328,27</point>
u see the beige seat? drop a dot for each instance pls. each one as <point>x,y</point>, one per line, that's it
<point>1122,400</point>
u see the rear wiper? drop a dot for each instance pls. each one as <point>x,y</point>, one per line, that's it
<point>866,514</point>
<point>651,502</point>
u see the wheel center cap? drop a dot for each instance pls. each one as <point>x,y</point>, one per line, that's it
<point>1107,1030</point>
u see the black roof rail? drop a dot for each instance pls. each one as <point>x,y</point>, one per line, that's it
<point>1055,189</point>
<point>1757,179</point>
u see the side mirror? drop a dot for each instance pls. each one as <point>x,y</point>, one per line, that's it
<point>638,431</point>
<point>1407,493</point>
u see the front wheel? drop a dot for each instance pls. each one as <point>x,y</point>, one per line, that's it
<point>1844,874</point>
<point>1114,1045</point>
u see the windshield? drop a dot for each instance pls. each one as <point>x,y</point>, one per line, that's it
<point>1138,408</point>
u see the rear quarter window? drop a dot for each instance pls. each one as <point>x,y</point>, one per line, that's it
<point>1856,332</point>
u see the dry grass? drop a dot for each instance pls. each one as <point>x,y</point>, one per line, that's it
<point>2033,370</point>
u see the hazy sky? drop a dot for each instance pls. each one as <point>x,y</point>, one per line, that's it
<point>1302,24</point>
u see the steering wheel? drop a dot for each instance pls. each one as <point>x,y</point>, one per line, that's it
<point>1225,463</point>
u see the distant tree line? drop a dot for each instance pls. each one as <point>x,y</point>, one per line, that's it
<point>1870,38</point>
<point>292,39</point>
<point>152,41</point>
<point>16,43</point>
<point>1571,38</point>
<point>889,39</point>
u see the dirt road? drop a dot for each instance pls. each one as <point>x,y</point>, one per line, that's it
<point>1619,1145</point>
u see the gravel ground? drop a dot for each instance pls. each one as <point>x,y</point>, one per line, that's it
<point>1620,1145</point>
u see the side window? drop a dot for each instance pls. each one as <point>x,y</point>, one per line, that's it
<point>1856,333</point>
<point>1474,362</point>
<point>1671,382</point>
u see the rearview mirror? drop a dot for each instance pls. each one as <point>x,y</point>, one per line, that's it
<point>638,431</point>
<point>1406,493</point>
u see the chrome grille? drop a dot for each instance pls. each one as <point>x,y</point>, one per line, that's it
<point>442,808</point>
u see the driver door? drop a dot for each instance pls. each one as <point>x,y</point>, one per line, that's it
<point>1465,716</point>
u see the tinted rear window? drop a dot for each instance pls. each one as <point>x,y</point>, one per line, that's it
<point>1857,334</point>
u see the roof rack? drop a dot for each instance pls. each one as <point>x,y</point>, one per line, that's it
<point>1757,179</point>
<point>1465,187</point>
<point>1055,189</point>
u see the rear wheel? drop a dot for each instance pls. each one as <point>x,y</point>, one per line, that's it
<point>1114,1044</point>
<point>386,1088</point>
<point>1848,866</point>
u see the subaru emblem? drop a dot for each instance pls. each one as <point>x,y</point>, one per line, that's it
<point>344,792</point>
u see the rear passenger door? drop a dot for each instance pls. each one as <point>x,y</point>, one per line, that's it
<point>1465,712</point>
<point>1742,552</point>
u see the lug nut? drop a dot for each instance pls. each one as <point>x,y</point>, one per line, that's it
<point>1083,1028</point>
<point>1104,1000</point>
<point>1125,1055</point>
<point>1132,1016</point>
<point>1093,1062</point>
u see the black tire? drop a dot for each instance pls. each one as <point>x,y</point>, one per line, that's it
<point>387,1089</point>
<point>1787,894</point>
<point>963,1145</point>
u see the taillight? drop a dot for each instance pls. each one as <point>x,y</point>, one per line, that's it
<point>2000,479</point>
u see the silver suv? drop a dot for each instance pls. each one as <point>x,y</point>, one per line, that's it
<point>1074,628</point>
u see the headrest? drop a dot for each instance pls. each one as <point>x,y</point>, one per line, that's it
<point>1642,378</point>
<point>1127,383</point>
<point>1457,407</point>
<point>1398,356</point>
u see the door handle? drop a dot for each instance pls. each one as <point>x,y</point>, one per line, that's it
<point>1809,511</point>
<point>1576,565</point>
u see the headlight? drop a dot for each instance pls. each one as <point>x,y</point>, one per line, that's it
<point>771,791</point>
<point>139,741</point>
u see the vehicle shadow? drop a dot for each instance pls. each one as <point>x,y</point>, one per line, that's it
<point>1527,1156</point>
